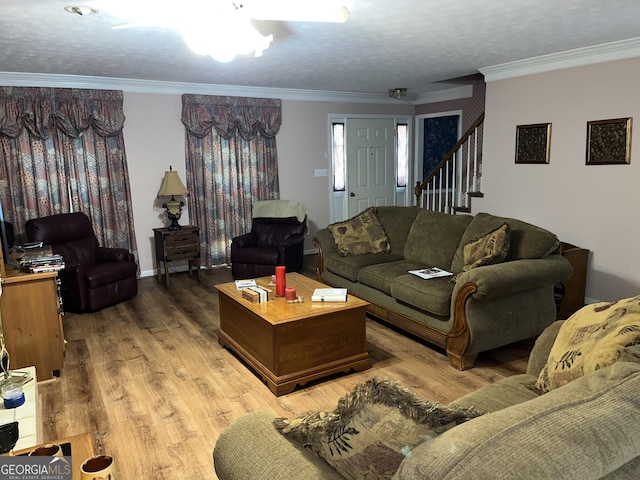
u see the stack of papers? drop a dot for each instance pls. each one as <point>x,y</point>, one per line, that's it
<point>41,263</point>
<point>329,295</point>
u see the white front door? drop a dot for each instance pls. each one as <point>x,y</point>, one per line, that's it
<point>370,163</point>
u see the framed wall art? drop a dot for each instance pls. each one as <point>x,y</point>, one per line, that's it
<point>533,142</point>
<point>609,142</point>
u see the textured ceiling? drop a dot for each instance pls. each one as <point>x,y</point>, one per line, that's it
<point>401,43</point>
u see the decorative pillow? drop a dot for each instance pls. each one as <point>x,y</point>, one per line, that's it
<point>360,234</point>
<point>592,338</point>
<point>489,249</point>
<point>372,428</point>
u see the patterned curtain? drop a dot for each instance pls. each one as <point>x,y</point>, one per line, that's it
<point>62,150</point>
<point>231,163</point>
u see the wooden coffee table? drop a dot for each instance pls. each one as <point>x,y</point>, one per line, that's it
<point>290,344</point>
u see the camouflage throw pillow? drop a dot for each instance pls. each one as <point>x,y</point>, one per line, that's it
<point>372,429</point>
<point>489,249</point>
<point>360,234</point>
<point>592,338</point>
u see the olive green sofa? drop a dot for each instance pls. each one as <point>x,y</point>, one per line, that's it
<point>485,308</point>
<point>584,430</point>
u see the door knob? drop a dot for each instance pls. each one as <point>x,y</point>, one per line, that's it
<point>352,194</point>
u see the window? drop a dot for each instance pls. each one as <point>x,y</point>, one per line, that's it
<point>402,152</point>
<point>62,150</point>
<point>338,157</point>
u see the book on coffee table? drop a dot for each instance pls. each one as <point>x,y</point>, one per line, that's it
<point>329,295</point>
<point>430,272</point>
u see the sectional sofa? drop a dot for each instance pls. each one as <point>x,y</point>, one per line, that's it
<point>502,287</point>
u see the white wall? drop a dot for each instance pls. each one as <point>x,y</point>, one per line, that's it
<point>154,138</point>
<point>589,206</point>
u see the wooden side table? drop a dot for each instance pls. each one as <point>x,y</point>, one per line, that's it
<point>173,245</point>
<point>575,286</point>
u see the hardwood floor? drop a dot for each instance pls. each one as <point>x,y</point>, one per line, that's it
<point>150,383</point>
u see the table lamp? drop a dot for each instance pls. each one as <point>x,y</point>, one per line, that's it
<point>172,186</point>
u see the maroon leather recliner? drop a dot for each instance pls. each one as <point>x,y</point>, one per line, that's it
<point>94,276</point>
<point>271,242</point>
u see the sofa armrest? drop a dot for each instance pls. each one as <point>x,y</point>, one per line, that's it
<point>106,254</point>
<point>585,429</point>
<point>542,348</point>
<point>251,448</point>
<point>324,241</point>
<point>295,241</point>
<point>292,241</point>
<point>515,276</point>
<point>244,241</point>
<point>495,305</point>
<point>291,253</point>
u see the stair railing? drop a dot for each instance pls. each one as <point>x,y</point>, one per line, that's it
<point>457,178</point>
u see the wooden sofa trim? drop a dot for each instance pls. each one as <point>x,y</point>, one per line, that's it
<point>459,338</point>
<point>455,342</point>
<point>320,264</point>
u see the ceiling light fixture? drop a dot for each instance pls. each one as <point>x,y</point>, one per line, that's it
<point>233,35</point>
<point>221,28</point>
<point>80,10</point>
<point>397,92</point>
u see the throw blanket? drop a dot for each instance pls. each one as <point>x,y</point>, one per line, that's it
<point>592,338</point>
<point>280,209</point>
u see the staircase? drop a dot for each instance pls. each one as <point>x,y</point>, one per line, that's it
<point>457,178</point>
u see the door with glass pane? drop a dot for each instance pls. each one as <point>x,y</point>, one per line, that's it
<point>370,163</point>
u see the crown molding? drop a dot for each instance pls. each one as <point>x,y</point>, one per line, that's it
<point>14,79</point>
<point>455,93</point>
<point>606,52</point>
<point>620,50</point>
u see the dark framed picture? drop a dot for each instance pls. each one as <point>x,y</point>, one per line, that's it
<point>533,143</point>
<point>609,142</point>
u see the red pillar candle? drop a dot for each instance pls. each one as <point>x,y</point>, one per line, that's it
<point>290,293</point>
<point>281,281</point>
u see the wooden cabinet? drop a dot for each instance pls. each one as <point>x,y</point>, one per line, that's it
<point>32,321</point>
<point>174,245</point>
<point>573,289</point>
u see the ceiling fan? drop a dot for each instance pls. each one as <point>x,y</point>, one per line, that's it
<point>219,28</point>
<point>297,11</point>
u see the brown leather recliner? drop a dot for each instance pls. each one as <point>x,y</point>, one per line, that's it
<point>271,242</point>
<point>94,276</point>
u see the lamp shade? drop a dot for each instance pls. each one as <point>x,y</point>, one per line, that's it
<point>172,185</point>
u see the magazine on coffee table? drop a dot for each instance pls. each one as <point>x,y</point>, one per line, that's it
<point>430,272</point>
